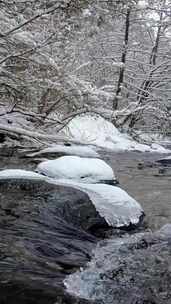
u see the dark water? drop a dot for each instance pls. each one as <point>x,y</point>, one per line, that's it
<point>146,185</point>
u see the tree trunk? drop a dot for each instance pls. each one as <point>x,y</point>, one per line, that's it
<point>123,60</point>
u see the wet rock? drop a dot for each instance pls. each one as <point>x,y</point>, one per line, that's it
<point>45,235</point>
<point>2,137</point>
<point>166,161</point>
<point>140,166</point>
<point>128,270</point>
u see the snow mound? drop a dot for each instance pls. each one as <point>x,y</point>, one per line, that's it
<point>70,150</point>
<point>96,130</point>
<point>77,168</point>
<point>113,203</point>
<point>19,173</point>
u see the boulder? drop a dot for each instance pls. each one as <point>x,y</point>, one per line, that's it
<point>128,270</point>
<point>166,161</point>
<point>45,235</point>
<point>115,205</point>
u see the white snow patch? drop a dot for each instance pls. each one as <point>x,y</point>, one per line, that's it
<point>165,158</point>
<point>77,168</point>
<point>142,4</point>
<point>115,205</point>
<point>19,173</point>
<point>98,131</point>
<point>72,150</point>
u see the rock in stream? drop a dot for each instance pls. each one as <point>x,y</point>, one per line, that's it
<point>129,270</point>
<point>45,234</point>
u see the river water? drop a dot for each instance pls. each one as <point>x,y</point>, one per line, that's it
<point>150,188</point>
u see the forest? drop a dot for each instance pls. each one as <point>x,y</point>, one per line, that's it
<point>61,59</point>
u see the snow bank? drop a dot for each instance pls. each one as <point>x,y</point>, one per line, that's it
<point>70,150</point>
<point>113,203</point>
<point>98,131</point>
<point>77,168</point>
<point>19,173</point>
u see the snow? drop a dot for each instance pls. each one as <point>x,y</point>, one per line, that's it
<point>113,203</point>
<point>72,150</point>
<point>165,158</point>
<point>142,4</point>
<point>19,173</point>
<point>100,132</point>
<point>77,168</point>
<point>83,129</point>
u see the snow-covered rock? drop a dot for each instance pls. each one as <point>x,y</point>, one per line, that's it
<point>113,203</point>
<point>19,173</point>
<point>77,150</point>
<point>77,168</point>
<point>100,132</point>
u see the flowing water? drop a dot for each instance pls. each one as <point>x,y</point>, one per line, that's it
<point>151,187</point>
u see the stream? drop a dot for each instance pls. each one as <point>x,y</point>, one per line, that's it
<point>150,188</point>
<point>116,262</point>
